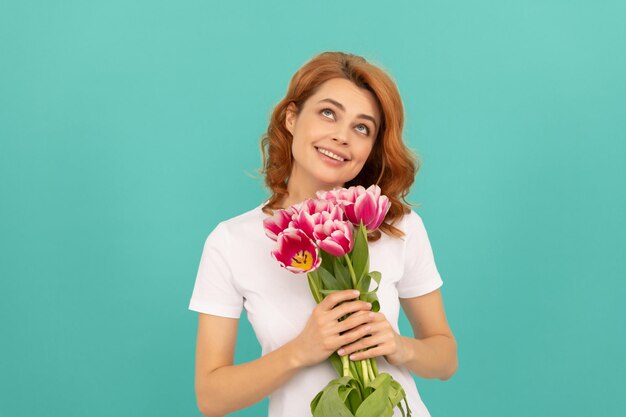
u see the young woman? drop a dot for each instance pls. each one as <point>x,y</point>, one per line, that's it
<point>340,124</point>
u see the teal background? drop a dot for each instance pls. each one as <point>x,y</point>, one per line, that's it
<point>129,129</point>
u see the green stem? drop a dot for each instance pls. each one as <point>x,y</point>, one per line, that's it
<point>352,274</point>
<point>374,366</point>
<point>314,290</point>
<point>345,361</point>
<point>370,370</point>
<point>366,375</point>
<point>354,370</point>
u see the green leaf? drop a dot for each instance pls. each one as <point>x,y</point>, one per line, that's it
<point>360,253</point>
<point>373,299</point>
<point>366,294</point>
<point>329,402</point>
<point>377,403</point>
<point>315,401</point>
<point>335,361</point>
<point>315,285</point>
<point>350,394</point>
<point>365,282</point>
<point>354,398</point>
<point>384,387</point>
<point>408,409</point>
<point>343,392</point>
<point>326,292</point>
<point>376,276</point>
<point>382,379</point>
<point>327,261</point>
<point>396,395</point>
<point>363,285</point>
<point>329,282</point>
<point>342,274</point>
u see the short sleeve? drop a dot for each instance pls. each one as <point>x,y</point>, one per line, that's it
<point>214,291</point>
<point>420,274</point>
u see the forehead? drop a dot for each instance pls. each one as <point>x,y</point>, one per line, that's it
<point>354,98</point>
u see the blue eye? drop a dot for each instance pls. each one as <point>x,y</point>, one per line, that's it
<point>363,129</point>
<point>327,113</point>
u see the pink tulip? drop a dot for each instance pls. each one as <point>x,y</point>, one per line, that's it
<point>304,221</point>
<point>296,252</point>
<point>312,212</point>
<point>278,222</point>
<point>338,195</point>
<point>370,208</point>
<point>334,237</point>
<point>361,205</point>
<point>315,205</point>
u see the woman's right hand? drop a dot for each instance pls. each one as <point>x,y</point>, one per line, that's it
<point>323,333</point>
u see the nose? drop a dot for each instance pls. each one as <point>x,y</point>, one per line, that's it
<point>341,135</point>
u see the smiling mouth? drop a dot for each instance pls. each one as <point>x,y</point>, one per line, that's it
<point>331,155</point>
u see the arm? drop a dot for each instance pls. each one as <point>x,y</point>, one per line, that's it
<point>222,387</point>
<point>431,353</point>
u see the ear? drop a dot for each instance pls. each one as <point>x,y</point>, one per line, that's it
<point>291,113</point>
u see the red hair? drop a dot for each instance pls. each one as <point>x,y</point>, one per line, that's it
<point>391,164</point>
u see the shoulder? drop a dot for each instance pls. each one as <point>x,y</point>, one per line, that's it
<point>248,217</point>
<point>410,223</point>
<point>243,226</point>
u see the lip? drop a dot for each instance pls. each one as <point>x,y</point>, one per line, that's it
<point>339,153</point>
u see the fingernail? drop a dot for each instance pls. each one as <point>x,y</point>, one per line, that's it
<point>356,293</point>
<point>340,352</point>
<point>352,357</point>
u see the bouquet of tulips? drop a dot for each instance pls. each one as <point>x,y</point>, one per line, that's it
<point>326,238</point>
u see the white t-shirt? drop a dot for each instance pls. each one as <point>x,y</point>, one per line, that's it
<point>237,271</point>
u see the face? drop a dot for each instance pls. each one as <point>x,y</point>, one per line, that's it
<point>333,135</point>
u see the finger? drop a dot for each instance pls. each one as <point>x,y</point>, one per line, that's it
<point>371,339</point>
<point>355,320</point>
<point>348,308</point>
<point>369,353</point>
<point>351,337</point>
<point>380,327</point>
<point>335,298</point>
<point>362,341</point>
<point>380,317</point>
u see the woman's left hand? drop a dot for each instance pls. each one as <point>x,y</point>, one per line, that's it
<point>382,339</point>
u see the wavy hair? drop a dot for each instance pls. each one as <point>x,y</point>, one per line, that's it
<point>391,164</point>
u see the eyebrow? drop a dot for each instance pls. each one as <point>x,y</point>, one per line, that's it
<point>338,104</point>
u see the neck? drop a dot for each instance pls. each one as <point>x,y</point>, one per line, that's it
<point>296,195</point>
<point>301,190</point>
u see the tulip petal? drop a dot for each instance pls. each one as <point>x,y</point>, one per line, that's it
<point>305,222</point>
<point>365,208</point>
<point>278,222</point>
<point>334,237</point>
<point>332,247</point>
<point>296,252</point>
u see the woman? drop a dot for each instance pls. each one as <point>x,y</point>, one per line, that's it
<point>340,124</point>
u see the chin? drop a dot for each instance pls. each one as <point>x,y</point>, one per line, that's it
<point>335,182</point>
<point>326,183</point>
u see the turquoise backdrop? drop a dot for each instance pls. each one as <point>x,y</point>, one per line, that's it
<point>129,129</point>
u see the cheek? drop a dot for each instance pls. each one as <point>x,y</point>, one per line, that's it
<point>364,152</point>
<point>299,145</point>
<point>296,147</point>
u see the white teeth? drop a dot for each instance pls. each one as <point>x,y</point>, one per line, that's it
<point>330,154</point>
